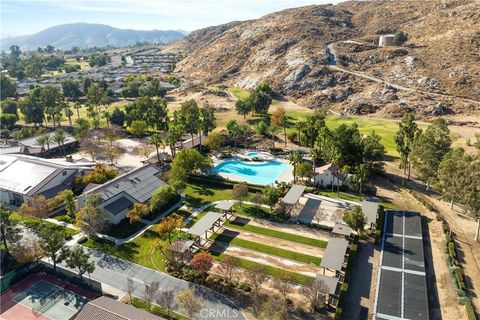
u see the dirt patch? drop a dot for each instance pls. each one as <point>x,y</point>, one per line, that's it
<point>280,243</point>
<point>296,229</point>
<point>266,259</point>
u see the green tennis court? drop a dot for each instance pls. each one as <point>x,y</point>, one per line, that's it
<point>52,301</point>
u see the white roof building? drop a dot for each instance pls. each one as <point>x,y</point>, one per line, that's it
<point>22,177</point>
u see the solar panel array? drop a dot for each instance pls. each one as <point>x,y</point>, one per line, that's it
<point>402,287</point>
<point>139,184</point>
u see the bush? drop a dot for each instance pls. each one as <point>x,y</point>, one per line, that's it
<point>7,120</point>
<point>470,312</point>
<point>452,253</point>
<point>292,136</point>
<point>400,37</point>
<point>161,198</point>
<point>459,278</point>
<point>338,313</point>
<point>138,128</point>
<point>245,287</point>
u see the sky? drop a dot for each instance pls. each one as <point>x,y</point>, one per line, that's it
<point>22,17</point>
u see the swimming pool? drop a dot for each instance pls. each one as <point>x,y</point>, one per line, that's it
<point>263,173</point>
<point>253,154</point>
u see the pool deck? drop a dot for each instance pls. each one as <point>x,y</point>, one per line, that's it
<point>286,176</point>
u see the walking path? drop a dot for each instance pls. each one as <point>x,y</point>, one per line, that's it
<point>118,241</point>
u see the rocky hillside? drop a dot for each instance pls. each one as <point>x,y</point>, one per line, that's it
<point>288,48</point>
<point>86,35</point>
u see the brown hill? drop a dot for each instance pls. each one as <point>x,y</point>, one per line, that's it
<point>288,49</point>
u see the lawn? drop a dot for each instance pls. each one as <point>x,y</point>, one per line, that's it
<point>239,92</point>
<point>64,218</point>
<point>199,193</point>
<point>385,128</point>
<point>252,211</point>
<point>269,270</point>
<point>158,310</point>
<point>137,251</point>
<point>342,195</point>
<point>36,224</point>
<point>292,255</point>
<point>277,234</point>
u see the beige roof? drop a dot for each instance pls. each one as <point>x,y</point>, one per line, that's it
<point>105,308</point>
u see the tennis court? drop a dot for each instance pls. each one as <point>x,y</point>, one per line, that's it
<point>42,297</point>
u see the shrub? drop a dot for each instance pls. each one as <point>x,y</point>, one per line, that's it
<point>292,136</point>
<point>138,128</point>
<point>338,313</point>
<point>7,120</point>
<point>459,278</point>
<point>400,37</point>
<point>161,198</point>
<point>451,252</point>
<point>470,312</point>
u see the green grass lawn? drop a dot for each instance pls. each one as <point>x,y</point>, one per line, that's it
<point>239,92</point>
<point>252,211</point>
<point>292,255</point>
<point>268,270</point>
<point>385,128</point>
<point>36,224</point>
<point>158,310</point>
<point>137,250</point>
<point>199,193</point>
<point>342,195</point>
<point>125,229</point>
<point>64,218</point>
<point>277,234</point>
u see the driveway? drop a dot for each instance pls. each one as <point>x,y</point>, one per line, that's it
<point>114,272</point>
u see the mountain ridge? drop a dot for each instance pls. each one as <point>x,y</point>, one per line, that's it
<point>288,49</point>
<point>85,35</point>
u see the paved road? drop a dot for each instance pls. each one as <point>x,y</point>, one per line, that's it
<point>359,300</point>
<point>114,272</point>
<point>332,64</point>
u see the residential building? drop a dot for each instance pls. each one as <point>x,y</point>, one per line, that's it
<point>23,177</point>
<point>328,175</point>
<point>121,193</point>
<point>105,308</point>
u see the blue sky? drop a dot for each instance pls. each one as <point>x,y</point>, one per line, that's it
<point>20,17</point>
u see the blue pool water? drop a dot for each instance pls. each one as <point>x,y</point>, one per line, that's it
<point>256,173</point>
<point>253,154</point>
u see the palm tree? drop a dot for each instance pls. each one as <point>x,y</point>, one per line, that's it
<point>299,126</point>
<point>156,140</point>
<point>59,137</point>
<point>274,131</point>
<point>77,106</point>
<point>42,141</point>
<point>295,158</point>
<point>316,155</point>
<point>48,140</point>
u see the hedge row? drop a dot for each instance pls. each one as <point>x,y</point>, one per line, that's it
<point>348,271</point>
<point>470,312</point>
<point>379,223</point>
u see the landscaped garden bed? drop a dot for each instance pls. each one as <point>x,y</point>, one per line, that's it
<point>124,229</point>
